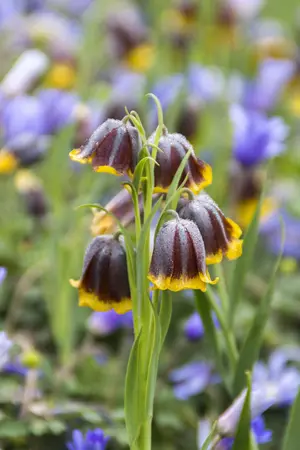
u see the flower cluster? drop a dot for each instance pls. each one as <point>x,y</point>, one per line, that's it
<point>199,235</point>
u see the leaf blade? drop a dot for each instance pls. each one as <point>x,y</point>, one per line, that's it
<point>251,346</point>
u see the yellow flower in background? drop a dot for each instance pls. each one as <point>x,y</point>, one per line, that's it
<point>141,58</point>
<point>8,162</point>
<point>245,210</point>
<point>26,181</point>
<point>61,76</point>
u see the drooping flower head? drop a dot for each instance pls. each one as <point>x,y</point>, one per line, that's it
<point>121,207</point>
<point>179,258</point>
<point>174,147</point>
<point>112,148</point>
<point>256,137</point>
<point>104,283</point>
<point>219,233</point>
<point>93,440</point>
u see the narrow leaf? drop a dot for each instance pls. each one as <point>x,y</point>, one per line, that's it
<point>132,393</point>
<point>139,171</point>
<point>204,310</point>
<point>165,314</point>
<point>174,185</point>
<point>252,344</point>
<point>243,264</point>
<point>242,438</point>
<point>292,434</point>
<point>155,340</point>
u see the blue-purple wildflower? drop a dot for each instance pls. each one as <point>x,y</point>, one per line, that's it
<point>264,92</point>
<point>279,375</point>
<point>106,323</point>
<point>192,379</point>
<point>92,440</point>
<point>261,434</point>
<point>272,232</point>
<point>3,273</point>
<point>193,327</point>
<point>256,137</point>
<point>5,346</point>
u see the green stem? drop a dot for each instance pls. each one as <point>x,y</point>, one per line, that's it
<point>222,288</point>
<point>227,333</point>
<point>144,440</point>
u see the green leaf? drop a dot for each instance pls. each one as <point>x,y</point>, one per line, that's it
<point>135,200</point>
<point>165,314</point>
<point>292,435</point>
<point>13,429</point>
<point>242,438</point>
<point>250,350</point>
<point>243,264</point>
<point>159,116</point>
<point>204,310</point>
<point>139,171</point>
<point>133,416</point>
<point>174,185</point>
<point>155,340</point>
<point>142,268</point>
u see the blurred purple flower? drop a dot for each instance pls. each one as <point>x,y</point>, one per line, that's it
<point>58,108</point>
<point>8,9</point>
<point>194,329</point>
<point>255,136</point>
<point>273,384</point>
<point>284,379</point>
<point>93,440</point>
<point>3,273</point>
<point>15,367</point>
<point>192,379</point>
<point>167,89</point>
<point>273,75</point>
<point>271,230</point>
<point>5,346</point>
<point>76,7</point>
<point>258,427</point>
<point>106,323</point>
<point>205,83</point>
<point>22,115</point>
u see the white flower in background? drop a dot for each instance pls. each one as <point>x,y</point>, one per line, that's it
<point>5,346</point>
<point>245,9</point>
